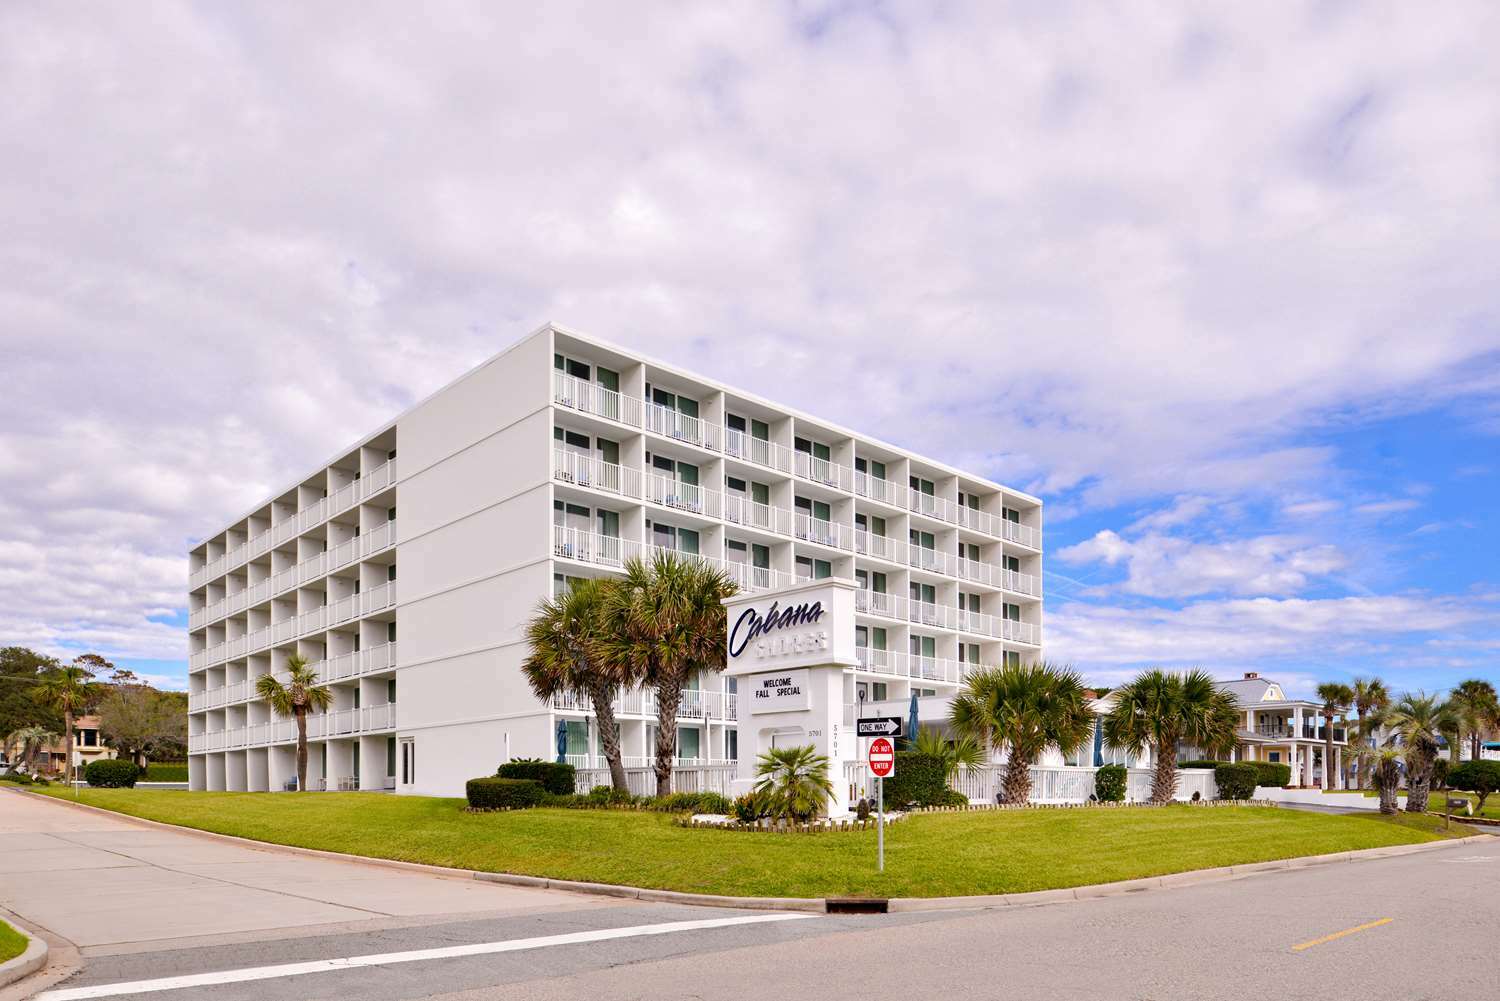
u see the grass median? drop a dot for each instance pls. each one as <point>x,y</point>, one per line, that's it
<point>12,942</point>
<point>940,854</point>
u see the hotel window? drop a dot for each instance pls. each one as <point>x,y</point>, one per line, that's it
<point>732,745</point>
<point>1012,563</point>
<point>878,691</point>
<point>922,540</point>
<point>687,742</point>
<point>1013,612</point>
<point>925,593</point>
<point>572,366</point>
<point>871,467</point>
<point>968,551</point>
<point>1012,658</point>
<point>925,693</point>
<point>1011,514</point>
<point>924,647</point>
<point>816,449</point>
<point>968,602</point>
<point>408,761</point>
<point>922,486</point>
<point>682,540</point>
<point>811,569</point>
<point>969,501</point>
<point>968,653</point>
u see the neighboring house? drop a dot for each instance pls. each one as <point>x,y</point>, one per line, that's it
<point>1288,731</point>
<point>88,747</point>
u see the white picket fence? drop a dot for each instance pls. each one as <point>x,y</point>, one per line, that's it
<point>642,781</point>
<point>1054,784</point>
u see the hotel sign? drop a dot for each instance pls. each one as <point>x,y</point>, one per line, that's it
<point>780,691</point>
<point>804,625</point>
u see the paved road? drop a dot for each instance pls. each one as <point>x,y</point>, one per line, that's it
<point>1426,930</point>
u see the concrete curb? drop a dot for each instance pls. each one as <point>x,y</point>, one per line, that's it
<point>816,905</point>
<point>28,962</point>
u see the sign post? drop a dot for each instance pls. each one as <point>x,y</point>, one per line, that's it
<point>882,763</point>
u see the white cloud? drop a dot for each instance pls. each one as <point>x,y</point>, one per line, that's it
<point>1165,567</point>
<point>1395,506</point>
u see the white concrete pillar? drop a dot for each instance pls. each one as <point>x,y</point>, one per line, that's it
<point>1338,768</point>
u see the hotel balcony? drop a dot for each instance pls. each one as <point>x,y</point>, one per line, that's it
<point>322,726</point>
<point>289,528</point>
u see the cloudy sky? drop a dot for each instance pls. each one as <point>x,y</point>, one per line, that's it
<point>1217,281</point>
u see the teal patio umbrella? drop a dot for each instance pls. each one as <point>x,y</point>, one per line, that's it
<point>911,721</point>
<point>562,741</point>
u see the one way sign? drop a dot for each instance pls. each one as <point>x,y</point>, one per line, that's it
<point>879,726</point>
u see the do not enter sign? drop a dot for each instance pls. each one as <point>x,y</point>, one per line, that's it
<point>882,757</point>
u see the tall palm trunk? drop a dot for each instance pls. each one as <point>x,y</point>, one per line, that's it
<point>68,744</point>
<point>1417,786</point>
<point>668,698</point>
<point>1015,785</point>
<point>1474,744</point>
<point>1361,765</point>
<point>300,713</point>
<point>1164,775</point>
<point>1327,751</point>
<point>603,697</point>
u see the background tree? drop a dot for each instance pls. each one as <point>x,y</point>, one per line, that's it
<point>665,622</point>
<point>71,691</point>
<point>567,657</point>
<point>140,722</point>
<point>20,670</point>
<point>1474,706</point>
<point>1023,710</point>
<point>1416,722</point>
<point>1370,699</point>
<point>1477,776</point>
<point>1336,698</point>
<point>1161,709</point>
<point>295,698</point>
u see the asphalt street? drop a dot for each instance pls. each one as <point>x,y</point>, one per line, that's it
<point>1412,927</point>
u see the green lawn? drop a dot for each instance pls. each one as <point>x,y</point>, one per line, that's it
<point>1437,797</point>
<point>926,855</point>
<point>12,942</point>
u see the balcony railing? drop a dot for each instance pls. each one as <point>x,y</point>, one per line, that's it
<point>592,398</point>
<point>719,705</point>
<point>752,579</point>
<point>932,560</point>
<point>689,497</point>
<point>827,533</point>
<point>743,511</point>
<point>757,450</point>
<point>879,546</point>
<point>930,505</point>
<point>831,474</point>
<point>681,427</point>
<point>906,665</point>
<point>340,668</point>
<point>596,474</point>
<point>875,488</point>
<point>589,547</point>
<point>336,723</point>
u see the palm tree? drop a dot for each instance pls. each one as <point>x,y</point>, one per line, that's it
<point>665,623</point>
<point>1023,709</point>
<point>565,658</point>
<point>1370,699</point>
<point>793,782</point>
<point>964,752</point>
<point>300,693</point>
<point>1474,704</point>
<point>1416,722</point>
<point>1337,697</point>
<point>70,691</point>
<point>1160,709</point>
<point>30,740</point>
<point>1386,770</point>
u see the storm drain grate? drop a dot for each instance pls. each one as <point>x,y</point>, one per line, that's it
<point>856,905</point>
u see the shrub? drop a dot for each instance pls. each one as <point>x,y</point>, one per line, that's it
<point>749,808</point>
<point>19,778</point>
<point>1438,779</point>
<point>862,809</point>
<point>494,793</point>
<point>555,777</point>
<point>1237,781</point>
<point>1271,773</point>
<point>610,796</point>
<point>1109,784</point>
<point>165,773</point>
<point>919,780</point>
<point>693,802</point>
<point>1479,777</point>
<point>950,797</point>
<point>111,774</point>
<point>1201,764</point>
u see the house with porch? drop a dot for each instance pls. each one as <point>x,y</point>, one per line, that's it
<point>1288,731</point>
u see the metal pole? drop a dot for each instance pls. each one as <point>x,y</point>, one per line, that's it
<point>880,823</point>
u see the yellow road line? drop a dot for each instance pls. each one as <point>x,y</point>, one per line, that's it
<point>1341,934</point>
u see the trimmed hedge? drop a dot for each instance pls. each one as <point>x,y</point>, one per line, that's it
<point>555,777</point>
<point>1272,773</point>
<point>919,780</point>
<point>495,793</point>
<point>165,773</point>
<point>111,774</point>
<point>1237,781</point>
<point>1109,784</point>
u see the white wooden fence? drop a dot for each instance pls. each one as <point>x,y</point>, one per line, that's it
<point>1053,784</point>
<point>642,781</point>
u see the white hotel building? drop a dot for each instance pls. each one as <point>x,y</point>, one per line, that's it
<point>406,566</point>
